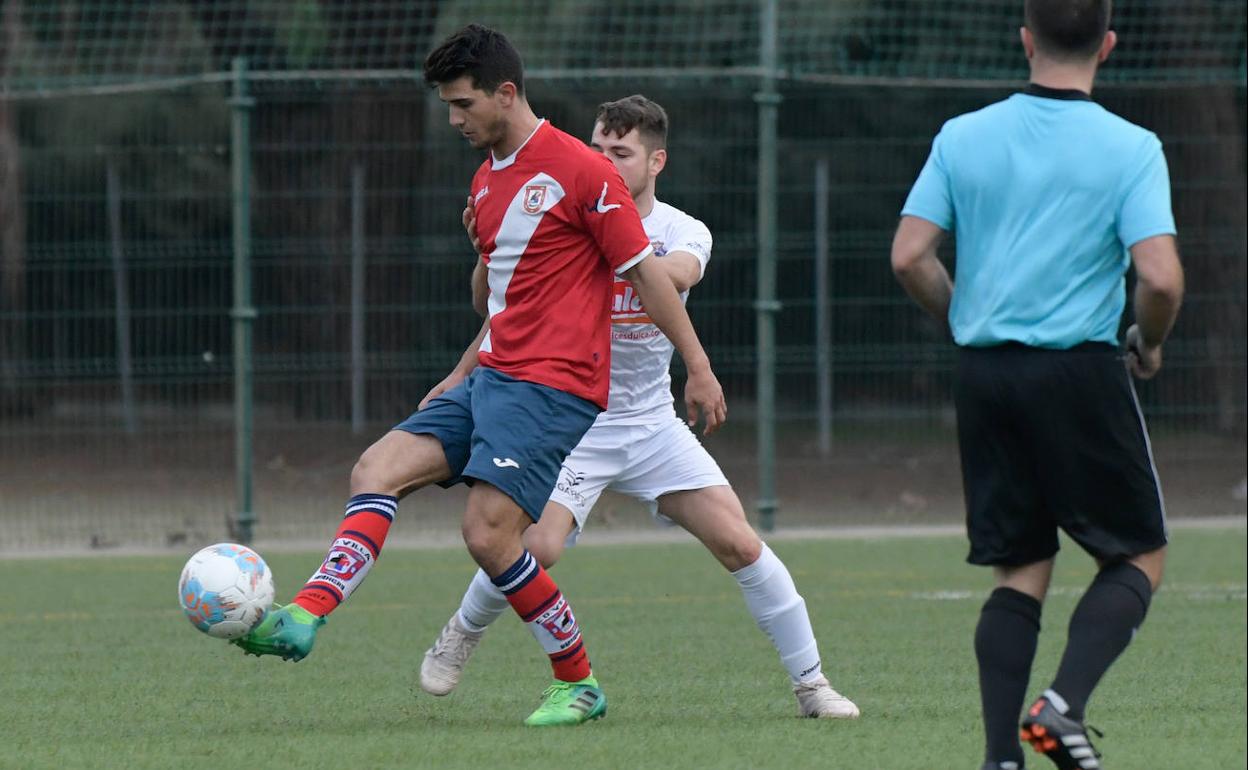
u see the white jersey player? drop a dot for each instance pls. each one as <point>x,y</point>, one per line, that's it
<point>639,447</point>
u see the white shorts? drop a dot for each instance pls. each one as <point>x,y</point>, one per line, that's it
<point>641,461</point>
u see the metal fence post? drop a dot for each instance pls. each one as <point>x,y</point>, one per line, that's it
<point>823,314</point>
<point>243,313</point>
<point>121,295</point>
<point>766,306</point>
<point>358,408</point>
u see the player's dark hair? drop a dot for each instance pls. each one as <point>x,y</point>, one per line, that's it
<point>479,52</point>
<point>1068,29</point>
<point>636,111</point>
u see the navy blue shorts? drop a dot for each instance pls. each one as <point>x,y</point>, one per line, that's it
<point>509,433</point>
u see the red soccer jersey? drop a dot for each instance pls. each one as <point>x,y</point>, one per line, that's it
<point>555,221</point>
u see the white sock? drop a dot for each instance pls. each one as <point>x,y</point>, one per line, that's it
<point>483,603</point>
<point>781,613</point>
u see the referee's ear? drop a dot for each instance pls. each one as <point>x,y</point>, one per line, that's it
<point>1029,43</point>
<point>1107,45</point>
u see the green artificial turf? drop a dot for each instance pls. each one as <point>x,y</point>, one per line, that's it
<point>98,668</point>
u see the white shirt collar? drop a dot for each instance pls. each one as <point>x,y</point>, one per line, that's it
<point>498,165</point>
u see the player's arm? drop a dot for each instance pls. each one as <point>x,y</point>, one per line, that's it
<point>481,289</point>
<point>683,268</point>
<point>1158,294</point>
<point>480,303</point>
<point>657,291</point>
<point>689,251</point>
<point>467,362</point>
<point>919,270</point>
<point>480,273</point>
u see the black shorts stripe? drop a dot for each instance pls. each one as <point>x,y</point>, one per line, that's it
<point>1148,446</point>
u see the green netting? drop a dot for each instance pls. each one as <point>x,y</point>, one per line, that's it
<point>116,250</point>
<point>1159,40</point>
<point>52,45</point>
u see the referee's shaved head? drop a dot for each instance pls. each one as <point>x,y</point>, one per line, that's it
<point>1068,29</point>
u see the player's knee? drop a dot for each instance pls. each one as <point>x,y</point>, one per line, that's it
<point>483,541</point>
<point>740,550</point>
<point>492,530</point>
<point>546,546</point>
<point>366,475</point>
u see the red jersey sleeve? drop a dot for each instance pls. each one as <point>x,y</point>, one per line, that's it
<point>610,216</point>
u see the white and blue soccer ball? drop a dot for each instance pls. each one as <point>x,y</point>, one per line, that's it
<point>225,590</point>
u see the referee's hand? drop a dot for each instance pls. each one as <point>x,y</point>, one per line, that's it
<point>1142,360</point>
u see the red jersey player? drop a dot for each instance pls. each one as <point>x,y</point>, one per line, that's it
<point>557,223</point>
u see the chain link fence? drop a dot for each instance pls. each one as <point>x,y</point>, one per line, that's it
<point>119,422</point>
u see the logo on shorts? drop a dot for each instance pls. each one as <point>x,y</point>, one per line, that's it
<point>568,482</point>
<point>534,197</point>
<point>506,462</point>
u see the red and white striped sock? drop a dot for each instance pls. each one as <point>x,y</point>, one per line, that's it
<point>357,544</point>
<point>540,604</point>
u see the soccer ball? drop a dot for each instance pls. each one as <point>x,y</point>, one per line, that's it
<point>225,590</point>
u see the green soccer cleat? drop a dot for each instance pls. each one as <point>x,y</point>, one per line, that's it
<point>569,703</point>
<point>288,631</point>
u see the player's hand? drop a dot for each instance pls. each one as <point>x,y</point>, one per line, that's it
<point>1142,360</point>
<point>450,381</point>
<point>704,397</point>
<point>469,219</point>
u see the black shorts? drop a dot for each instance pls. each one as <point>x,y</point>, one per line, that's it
<point>1049,439</point>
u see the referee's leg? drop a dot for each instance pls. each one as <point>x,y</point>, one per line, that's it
<point>1030,579</point>
<point>1106,488</point>
<point>1152,564</point>
<point>1103,625</point>
<point>1009,530</point>
<point>1005,647</point>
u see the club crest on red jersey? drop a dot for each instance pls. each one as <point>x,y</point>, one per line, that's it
<point>534,197</point>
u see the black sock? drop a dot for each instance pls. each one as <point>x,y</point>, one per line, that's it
<point>1101,627</point>
<point>1005,645</point>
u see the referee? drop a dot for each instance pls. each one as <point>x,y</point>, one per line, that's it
<point>1047,193</point>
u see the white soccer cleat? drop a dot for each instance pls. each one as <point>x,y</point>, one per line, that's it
<point>444,662</point>
<point>818,700</point>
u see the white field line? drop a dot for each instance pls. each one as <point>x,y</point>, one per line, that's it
<point>597,538</point>
<point>1196,592</point>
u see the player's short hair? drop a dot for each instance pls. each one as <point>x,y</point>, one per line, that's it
<point>483,54</point>
<point>636,111</point>
<point>1068,29</point>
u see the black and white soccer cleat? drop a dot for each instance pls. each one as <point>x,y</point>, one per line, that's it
<point>1060,738</point>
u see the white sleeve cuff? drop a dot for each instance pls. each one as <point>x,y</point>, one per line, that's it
<point>630,264</point>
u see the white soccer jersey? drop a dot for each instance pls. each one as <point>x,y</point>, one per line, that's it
<point>641,386</point>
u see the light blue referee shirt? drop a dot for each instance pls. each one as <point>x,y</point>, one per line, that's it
<point>1045,192</point>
